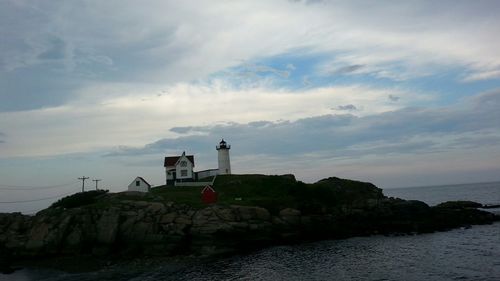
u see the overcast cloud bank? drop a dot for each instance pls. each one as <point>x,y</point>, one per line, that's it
<point>403,131</point>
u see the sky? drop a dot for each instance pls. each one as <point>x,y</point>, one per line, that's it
<point>398,93</point>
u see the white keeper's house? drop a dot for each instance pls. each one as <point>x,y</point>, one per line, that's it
<point>179,168</point>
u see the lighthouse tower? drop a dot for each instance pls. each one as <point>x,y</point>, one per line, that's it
<point>224,164</point>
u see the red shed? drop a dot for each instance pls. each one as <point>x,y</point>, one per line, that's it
<point>208,195</point>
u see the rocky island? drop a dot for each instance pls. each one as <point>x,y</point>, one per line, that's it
<point>252,211</point>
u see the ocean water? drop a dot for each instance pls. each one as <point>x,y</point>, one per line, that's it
<point>485,193</point>
<point>460,254</point>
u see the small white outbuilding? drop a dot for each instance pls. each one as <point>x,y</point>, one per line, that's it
<point>139,184</point>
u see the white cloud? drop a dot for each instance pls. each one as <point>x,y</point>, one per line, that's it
<point>122,114</point>
<point>482,76</point>
<point>175,41</point>
<point>402,131</point>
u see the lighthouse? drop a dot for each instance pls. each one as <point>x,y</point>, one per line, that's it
<point>223,155</point>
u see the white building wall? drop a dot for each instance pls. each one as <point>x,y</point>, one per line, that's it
<point>138,185</point>
<point>207,173</point>
<point>224,163</point>
<point>188,168</point>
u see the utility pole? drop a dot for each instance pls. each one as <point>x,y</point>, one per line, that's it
<point>83,182</point>
<point>96,181</point>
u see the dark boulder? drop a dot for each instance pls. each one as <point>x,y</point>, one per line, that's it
<point>5,260</point>
<point>459,205</point>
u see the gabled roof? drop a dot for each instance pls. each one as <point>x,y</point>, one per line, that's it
<point>207,187</point>
<point>172,160</point>
<point>142,179</point>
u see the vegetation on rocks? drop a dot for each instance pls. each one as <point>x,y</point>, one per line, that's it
<point>271,192</point>
<point>78,199</point>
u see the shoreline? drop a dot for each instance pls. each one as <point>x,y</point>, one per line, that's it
<point>134,267</point>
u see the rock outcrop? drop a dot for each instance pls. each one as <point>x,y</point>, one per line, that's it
<point>154,228</point>
<point>287,211</point>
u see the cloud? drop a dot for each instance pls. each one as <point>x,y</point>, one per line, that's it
<point>306,82</point>
<point>348,69</point>
<point>403,131</point>
<point>473,141</point>
<point>96,119</point>
<point>347,107</point>
<point>485,75</point>
<point>268,69</point>
<point>55,51</point>
<point>79,41</point>
<point>393,98</point>
<point>255,74</point>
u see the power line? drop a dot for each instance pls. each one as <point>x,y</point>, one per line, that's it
<point>34,200</point>
<point>96,181</point>
<point>83,182</point>
<point>27,187</point>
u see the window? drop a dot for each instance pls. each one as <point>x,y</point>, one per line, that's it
<point>184,173</point>
<point>137,183</point>
<point>184,164</point>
